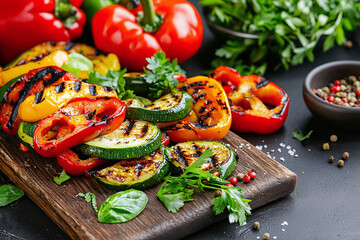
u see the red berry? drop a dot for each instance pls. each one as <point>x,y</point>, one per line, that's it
<point>358,93</point>
<point>331,99</point>
<point>246,178</point>
<point>233,180</point>
<point>345,100</point>
<point>252,174</point>
<point>217,174</point>
<point>336,82</point>
<point>314,90</point>
<point>229,185</point>
<point>335,89</point>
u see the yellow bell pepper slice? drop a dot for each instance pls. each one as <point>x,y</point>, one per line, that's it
<point>56,58</point>
<point>41,105</point>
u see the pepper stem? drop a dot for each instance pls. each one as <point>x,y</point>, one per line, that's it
<point>148,19</point>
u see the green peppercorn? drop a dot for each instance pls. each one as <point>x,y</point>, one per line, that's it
<point>256,225</point>
<point>326,146</point>
<point>331,159</point>
<point>266,236</point>
<point>240,176</point>
<point>341,163</point>
<point>345,155</point>
<point>352,79</point>
<point>333,138</point>
<point>337,100</point>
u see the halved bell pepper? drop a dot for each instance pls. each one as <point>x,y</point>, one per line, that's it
<point>52,98</point>
<point>75,166</point>
<point>210,117</point>
<point>56,58</point>
<point>29,84</point>
<point>257,105</point>
<point>80,121</point>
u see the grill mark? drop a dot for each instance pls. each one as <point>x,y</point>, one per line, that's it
<point>202,109</point>
<point>129,127</point>
<point>144,130</point>
<point>5,98</point>
<point>200,96</point>
<point>180,156</point>
<point>60,88</point>
<point>38,97</point>
<point>139,167</point>
<point>197,84</point>
<point>90,115</point>
<point>69,46</point>
<point>77,86</point>
<point>213,161</point>
<point>107,89</point>
<point>263,82</point>
<point>55,75</point>
<point>52,43</point>
<point>92,90</point>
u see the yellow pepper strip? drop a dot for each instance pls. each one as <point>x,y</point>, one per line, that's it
<point>52,98</point>
<point>57,58</point>
<point>102,64</point>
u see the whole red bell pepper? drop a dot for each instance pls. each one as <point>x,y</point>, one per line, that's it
<point>26,23</point>
<point>80,121</point>
<point>75,166</point>
<point>257,105</point>
<point>171,26</point>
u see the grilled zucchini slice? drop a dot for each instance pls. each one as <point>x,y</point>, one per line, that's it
<point>29,128</point>
<point>186,153</point>
<point>24,138</point>
<point>134,138</point>
<point>171,107</point>
<point>138,173</point>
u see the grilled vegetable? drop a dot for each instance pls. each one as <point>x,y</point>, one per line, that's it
<point>24,138</point>
<point>186,153</point>
<point>4,88</point>
<point>52,98</point>
<point>57,58</point>
<point>31,83</point>
<point>171,107</point>
<point>81,120</point>
<point>210,117</point>
<point>29,128</point>
<point>132,139</point>
<point>138,173</point>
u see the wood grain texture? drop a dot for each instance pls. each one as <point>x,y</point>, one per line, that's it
<point>34,174</point>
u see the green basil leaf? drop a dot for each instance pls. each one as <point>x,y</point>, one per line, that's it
<point>77,62</point>
<point>9,194</point>
<point>122,206</point>
<point>62,178</point>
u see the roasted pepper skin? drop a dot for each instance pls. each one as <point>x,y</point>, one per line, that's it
<point>80,121</point>
<point>25,23</point>
<point>249,98</point>
<point>75,166</point>
<point>210,117</point>
<point>29,84</point>
<point>115,29</point>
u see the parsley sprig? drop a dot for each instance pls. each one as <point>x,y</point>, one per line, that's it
<point>298,134</point>
<point>175,191</point>
<point>160,74</point>
<point>288,30</point>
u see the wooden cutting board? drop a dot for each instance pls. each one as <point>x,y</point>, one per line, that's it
<point>34,174</point>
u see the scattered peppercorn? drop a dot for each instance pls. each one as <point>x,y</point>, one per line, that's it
<point>233,181</point>
<point>239,176</point>
<point>348,44</point>
<point>246,178</point>
<point>218,193</point>
<point>331,159</point>
<point>344,92</point>
<point>326,147</point>
<point>252,174</point>
<point>266,236</point>
<point>256,225</point>
<point>346,156</point>
<point>341,163</point>
<point>333,138</point>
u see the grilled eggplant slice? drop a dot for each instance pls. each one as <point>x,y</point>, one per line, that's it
<point>138,173</point>
<point>134,138</point>
<point>186,153</point>
<point>171,107</point>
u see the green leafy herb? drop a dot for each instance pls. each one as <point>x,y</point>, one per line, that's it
<point>175,191</point>
<point>114,80</point>
<point>90,197</point>
<point>122,206</point>
<point>160,74</point>
<point>77,62</point>
<point>62,178</point>
<point>288,31</point>
<point>9,194</point>
<point>300,136</point>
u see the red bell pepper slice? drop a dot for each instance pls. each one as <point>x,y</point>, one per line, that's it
<point>30,84</point>
<point>75,166</point>
<point>179,34</point>
<point>165,139</point>
<point>257,105</point>
<point>80,121</point>
<point>26,23</point>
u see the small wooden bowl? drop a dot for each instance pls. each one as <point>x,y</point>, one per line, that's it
<point>321,76</point>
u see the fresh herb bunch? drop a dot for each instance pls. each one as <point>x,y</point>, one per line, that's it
<point>175,191</point>
<point>289,30</point>
<point>160,74</point>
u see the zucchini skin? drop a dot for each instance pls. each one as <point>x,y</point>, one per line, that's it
<point>177,112</point>
<point>24,138</point>
<point>122,153</point>
<point>29,128</point>
<point>155,178</point>
<point>137,83</point>
<point>177,165</point>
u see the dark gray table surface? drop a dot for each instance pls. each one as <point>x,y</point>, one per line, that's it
<point>325,204</point>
